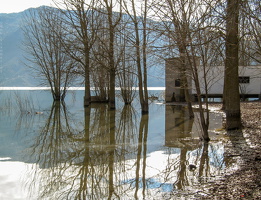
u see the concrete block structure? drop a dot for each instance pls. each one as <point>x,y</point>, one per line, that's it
<point>173,80</point>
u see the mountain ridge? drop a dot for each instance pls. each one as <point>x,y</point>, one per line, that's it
<point>14,70</point>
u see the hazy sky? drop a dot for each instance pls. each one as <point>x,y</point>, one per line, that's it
<point>9,6</point>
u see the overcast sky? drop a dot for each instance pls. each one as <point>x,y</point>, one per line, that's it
<point>10,6</point>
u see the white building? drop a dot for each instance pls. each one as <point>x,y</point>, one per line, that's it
<point>249,79</point>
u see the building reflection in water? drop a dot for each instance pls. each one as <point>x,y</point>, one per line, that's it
<point>178,126</point>
<point>106,155</point>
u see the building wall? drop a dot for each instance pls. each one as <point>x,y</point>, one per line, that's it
<point>171,74</point>
<point>173,77</point>
<point>215,78</point>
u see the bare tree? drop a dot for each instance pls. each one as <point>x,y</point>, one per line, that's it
<point>112,21</point>
<point>43,35</point>
<point>82,23</point>
<point>139,20</point>
<point>126,72</point>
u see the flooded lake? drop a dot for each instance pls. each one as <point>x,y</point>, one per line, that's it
<point>65,151</point>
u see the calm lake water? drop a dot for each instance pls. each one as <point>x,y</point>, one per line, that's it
<point>63,151</point>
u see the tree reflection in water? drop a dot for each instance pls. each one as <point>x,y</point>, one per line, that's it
<point>106,155</point>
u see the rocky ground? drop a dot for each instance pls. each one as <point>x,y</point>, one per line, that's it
<point>244,151</point>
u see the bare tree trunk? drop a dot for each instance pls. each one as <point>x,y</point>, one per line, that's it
<point>87,86</point>
<point>231,92</point>
<point>145,106</point>
<point>111,58</point>
<point>138,61</point>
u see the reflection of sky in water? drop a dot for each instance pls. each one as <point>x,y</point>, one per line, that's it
<point>129,162</point>
<point>13,180</point>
